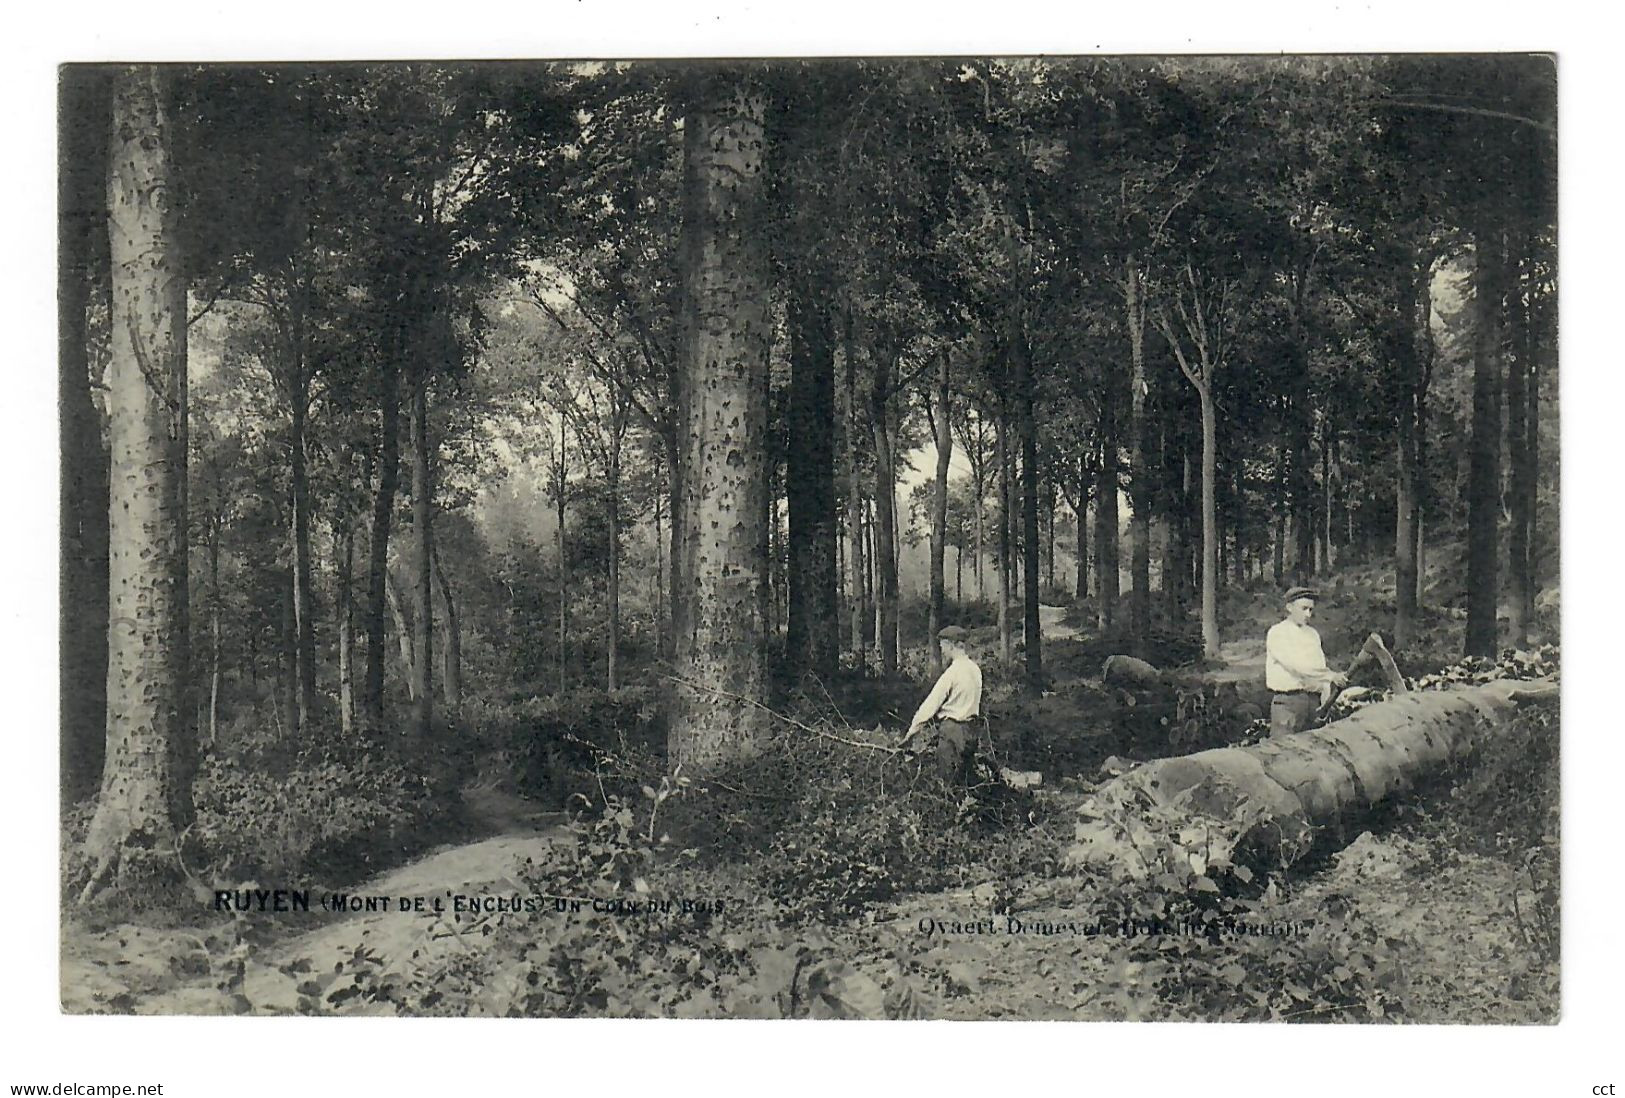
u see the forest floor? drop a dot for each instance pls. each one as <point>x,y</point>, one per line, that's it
<point>1453,921</point>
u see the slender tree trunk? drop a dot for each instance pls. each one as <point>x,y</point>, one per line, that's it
<point>561,497</point>
<point>1108,566</point>
<point>451,650</point>
<point>939,503</point>
<point>871,626</point>
<point>85,507</point>
<point>715,715</point>
<point>1483,503</point>
<point>303,604</point>
<point>1030,545</point>
<point>215,647</point>
<point>885,513</point>
<point>1278,542</point>
<point>345,611</point>
<point>423,578</point>
<point>1407,517</point>
<point>405,634</point>
<point>383,513</point>
<point>660,581</point>
<point>1520,577</point>
<point>1139,476</point>
<point>812,635</point>
<point>1006,641</point>
<point>1210,523</point>
<point>856,558</point>
<point>613,584</point>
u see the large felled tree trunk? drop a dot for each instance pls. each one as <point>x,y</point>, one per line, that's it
<point>716,715</point>
<point>1277,797</point>
<point>146,792</point>
<point>813,626</point>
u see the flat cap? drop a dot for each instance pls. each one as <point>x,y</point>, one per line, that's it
<point>1293,594</point>
<point>952,633</point>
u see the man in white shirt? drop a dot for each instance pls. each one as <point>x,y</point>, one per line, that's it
<point>952,708</point>
<point>1295,667</point>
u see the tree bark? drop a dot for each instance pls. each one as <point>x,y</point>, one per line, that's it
<point>303,603</point>
<point>1407,517</point>
<point>856,558</point>
<point>151,754</point>
<point>451,649</point>
<point>939,504</point>
<point>1210,523</point>
<point>1027,430</point>
<point>383,514</point>
<point>405,635</point>
<point>885,512</point>
<point>1483,502</point>
<point>345,612</point>
<point>613,584</point>
<point>1521,497</point>
<point>1277,797</point>
<point>82,241</point>
<point>423,576</point>
<point>1139,473</point>
<point>1006,641</point>
<point>812,632</point>
<point>716,715</point>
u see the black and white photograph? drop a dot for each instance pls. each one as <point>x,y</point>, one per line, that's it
<point>1009,537</point>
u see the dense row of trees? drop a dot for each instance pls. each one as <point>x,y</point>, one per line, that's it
<point>709,312</point>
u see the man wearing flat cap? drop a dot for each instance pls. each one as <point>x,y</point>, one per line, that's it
<point>1295,667</point>
<point>952,708</point>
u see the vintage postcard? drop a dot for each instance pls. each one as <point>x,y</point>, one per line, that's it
<point>924,538</point>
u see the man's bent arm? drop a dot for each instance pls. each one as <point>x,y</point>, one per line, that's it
<point>933,701</point>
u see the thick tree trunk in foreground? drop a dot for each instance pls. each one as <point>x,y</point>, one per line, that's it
<point>82,241</point>
<point>813,626</point>
<point>716,715</point>
<point>146,792</point>
<point>1274,797</point>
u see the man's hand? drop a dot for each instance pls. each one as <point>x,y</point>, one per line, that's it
<point>1340,678</point>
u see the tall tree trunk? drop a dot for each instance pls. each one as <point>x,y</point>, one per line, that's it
<point>939,503</point>
<point>82,241</point>
<point>1521,577</point>
<point>1108,566</point>
<point>405,634</point>
<point>1407,517</point>
<point>423,577</point>
<point>146,794</point>
<point>812,632</point>
<point>613,585</point>
<point>885,513</point>
<point>1030,545</point>
<point>383,514</point>
<point>1139,476</point>
<point>660,582</point>
<point>451,649</point>
<point>345,611</point>
<point>304,650</point>
<point>1210,524</point>
<point>715,713</point>
<point>1006,641</point>
<point>561,498</point>
<point>1282,503</point>
<point>1483,502</point>
<point>856,558</point>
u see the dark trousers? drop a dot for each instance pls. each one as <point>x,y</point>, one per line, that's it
<point>955,749</point>
<point>1293,712</point>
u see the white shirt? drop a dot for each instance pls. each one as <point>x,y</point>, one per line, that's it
<point>1293,659</point>
<point>957,695</point>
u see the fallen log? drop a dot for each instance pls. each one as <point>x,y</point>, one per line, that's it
<point>1132,672</point>
<point>1272,800</point>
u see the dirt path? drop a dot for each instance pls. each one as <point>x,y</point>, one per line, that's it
<point>145,970</point>
<point>1052,627</point>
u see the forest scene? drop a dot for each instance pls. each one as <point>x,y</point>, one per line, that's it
<point>511,510</point>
